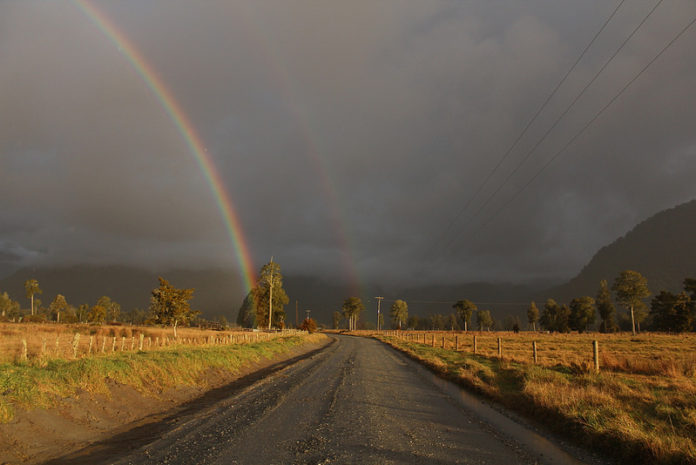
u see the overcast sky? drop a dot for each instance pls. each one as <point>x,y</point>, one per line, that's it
<point>350,135</point>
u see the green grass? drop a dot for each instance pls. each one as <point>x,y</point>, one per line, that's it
<point>635,417</point>
<point>37,384</point>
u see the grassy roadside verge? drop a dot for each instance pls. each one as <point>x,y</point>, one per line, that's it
<point>32,385</point>
<point>637,418</point>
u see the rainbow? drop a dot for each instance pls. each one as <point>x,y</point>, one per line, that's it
<point>187,131</point>
<point>283,82</point>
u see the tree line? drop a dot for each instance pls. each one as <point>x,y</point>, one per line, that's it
<point>168,306</point>
<point>667,311</point>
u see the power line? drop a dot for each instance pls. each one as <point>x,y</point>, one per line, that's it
<point>558,120</point>
<point>529,124</point>
<point>589,123</point>
<point>451,302</point>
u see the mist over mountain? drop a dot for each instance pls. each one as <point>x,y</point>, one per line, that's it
<point>220,293</point>
<point>662,248</point>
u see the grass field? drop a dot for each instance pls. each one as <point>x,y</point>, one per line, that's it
<point>42,380</point>
<point>641,406</point>
<point>46,341</point>
<point>670,355</point>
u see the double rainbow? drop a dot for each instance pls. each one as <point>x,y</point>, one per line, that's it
<point>187,131</point>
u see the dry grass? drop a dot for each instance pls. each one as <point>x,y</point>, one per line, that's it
<point>31,385</point>
<point>670,355</point>
<point>46,341</point>
<point>641,407</point>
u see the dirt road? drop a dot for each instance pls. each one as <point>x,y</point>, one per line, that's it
<point>358,401</point>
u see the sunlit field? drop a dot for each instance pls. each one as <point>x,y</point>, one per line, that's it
<point>45,341</point>
<point>672,355</point>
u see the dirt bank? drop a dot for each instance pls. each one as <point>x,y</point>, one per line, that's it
<point>38,435</point>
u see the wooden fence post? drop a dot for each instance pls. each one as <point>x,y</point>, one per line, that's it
<point>433,341</point>
<point>534,351</point>
<point>500,347</point>
<point>142,340</point>
<point>474,344</point>
<point>595,351</point>
<point>456,343</point>
<point>113,345</point>
<point>91,342</point>
<point>75,344</point>
<point>24,350</point>
<point>443,342</point>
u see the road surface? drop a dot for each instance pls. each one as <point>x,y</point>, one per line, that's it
<point>357,401</point>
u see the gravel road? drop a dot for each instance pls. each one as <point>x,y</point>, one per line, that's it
<point>357,401</point>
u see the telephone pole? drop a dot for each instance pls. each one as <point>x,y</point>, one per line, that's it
<point>379,302</point>
<point>270,298</point>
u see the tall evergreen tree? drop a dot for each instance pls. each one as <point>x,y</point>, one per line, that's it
<point>606,309</point>
<point>484,319</point>
<point>336,319</point>
<point>270,283</point>
<point>465,308</point>
<point>8,307</point>
<point>113,309</point>
<point>670,312</point>
<point>96,314</point>
<point>352,307</point>
<point>631,288</point>
<point>247,311</point>
<point>399,312</point>
<point>533,315</point>
<point>170,306</point>
<point>582,313</point>
<point>58,305</point>
<point>555,317</point>
<point>31,286</point>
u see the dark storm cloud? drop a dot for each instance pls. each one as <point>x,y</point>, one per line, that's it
<point>363,123</point>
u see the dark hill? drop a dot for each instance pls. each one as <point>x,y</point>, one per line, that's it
<point>662,248</point>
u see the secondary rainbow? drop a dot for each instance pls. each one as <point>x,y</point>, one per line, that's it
<point>195,145</point>
<point>254,30</point>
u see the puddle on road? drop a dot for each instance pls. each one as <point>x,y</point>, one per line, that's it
<point>545,450</point>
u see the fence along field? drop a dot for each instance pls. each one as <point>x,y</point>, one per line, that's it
<point>42,341</point>
<point>672,355</point>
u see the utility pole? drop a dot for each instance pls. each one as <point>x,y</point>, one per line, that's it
<point>270,298</point>
<point>379,302</point>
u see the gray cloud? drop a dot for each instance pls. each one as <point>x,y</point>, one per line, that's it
<point>359,124</point>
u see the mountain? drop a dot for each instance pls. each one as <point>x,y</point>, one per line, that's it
<point>662,248</point>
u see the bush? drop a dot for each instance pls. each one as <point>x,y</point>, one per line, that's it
<point>309,325</point>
